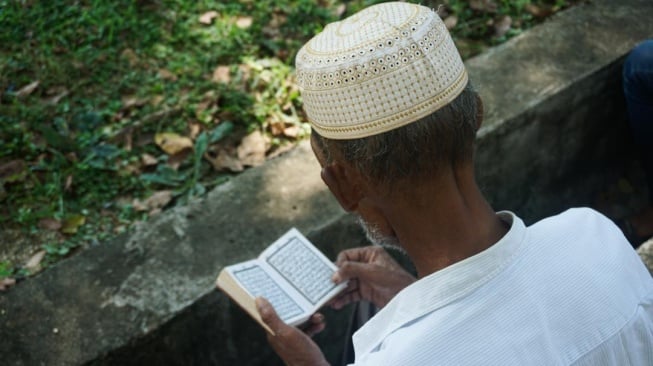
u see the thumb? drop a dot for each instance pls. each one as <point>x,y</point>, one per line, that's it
<point>269,315</point>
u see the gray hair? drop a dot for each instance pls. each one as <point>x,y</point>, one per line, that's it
<point>415,151</point>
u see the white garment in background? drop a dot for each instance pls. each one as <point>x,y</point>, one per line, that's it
<point>568,290</point>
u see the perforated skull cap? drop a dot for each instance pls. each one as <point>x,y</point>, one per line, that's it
<point>381,68</point>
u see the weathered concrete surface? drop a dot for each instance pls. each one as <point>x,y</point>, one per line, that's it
<point>111,296</point>
<point>555,121</point>
<point>214,331</point>
<point>554,126</point>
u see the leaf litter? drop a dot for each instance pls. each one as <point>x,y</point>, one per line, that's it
<point>211,136</point>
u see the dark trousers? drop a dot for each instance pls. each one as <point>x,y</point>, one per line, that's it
<point>638,89</point>
<point>363,311</point>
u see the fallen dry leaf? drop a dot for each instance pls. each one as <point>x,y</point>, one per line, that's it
<point>174,161</point>
<point>69,183</point>
<point>272,29</point>
<point>486,6</point>
<point>221,74</point>
<point>166,74</point>
<point>244,22</point>
<point>287,107</point>
<point>270,32</point>
<point>224,161</point>
<point>13,171</point>
<point>138,206</point>
<point>49,224</point>
<point>34,262</point>
<point>157,99</point>
<point>279,150</point>
<point>276,128</point>
<point>149,160</point>
<point>292,131</point>
<point>340,10</point>
<point>157,200</point>
<point>207,18</point>
<point>251,151</point>
<point>451,21</point>
<point>172,143</point>
<point>54,90</point>
<point>126,137</point>
<point>5,283</point>
<point>243,75</point>
<point>57,93</point>
<point>133,168</point>
<point>210,95</point>
<point>27,89</point>
<point>502,25</point>
<point>55,100</point>
<point>201,107</point>
<point>194,129</point>
<point>539,11</point>
<point>72,224</point>
<point>132,101</point>
<point>130,55</point>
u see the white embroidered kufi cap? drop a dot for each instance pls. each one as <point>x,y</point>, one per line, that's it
<point>382,68</point>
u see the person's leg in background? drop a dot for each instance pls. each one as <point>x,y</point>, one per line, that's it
<point>638,90</point>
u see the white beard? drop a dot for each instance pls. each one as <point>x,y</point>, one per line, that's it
<point>375,236</point>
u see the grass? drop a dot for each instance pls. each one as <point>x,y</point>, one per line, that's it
<point>79,150</point>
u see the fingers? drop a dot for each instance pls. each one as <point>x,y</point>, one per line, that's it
<point>291,344</point>
<point>366,254</point>
<point>314,325</point>
<point>269,316</point>
<point>352,286</point>
<point>353,254</point>
<point>349,270</point>
<point>344,299</point>
<point>345,296</point>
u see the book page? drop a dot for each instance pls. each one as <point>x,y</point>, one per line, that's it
<point>306,269</point>
<point>258,282</point>
<point>291,273</point>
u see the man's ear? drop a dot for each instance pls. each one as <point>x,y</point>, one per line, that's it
<point>342,185</point>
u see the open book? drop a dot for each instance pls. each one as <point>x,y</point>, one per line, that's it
<point>292,274</point>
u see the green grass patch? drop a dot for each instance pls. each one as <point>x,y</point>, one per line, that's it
<point>87,87</point>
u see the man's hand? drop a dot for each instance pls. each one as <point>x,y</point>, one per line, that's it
<point>295,347</point>
<point>373,276</point>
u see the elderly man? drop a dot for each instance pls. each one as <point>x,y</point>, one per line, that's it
<point>394,121</point>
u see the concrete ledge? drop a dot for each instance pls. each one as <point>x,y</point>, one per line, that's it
<point>213,331</point>
<point>555,118</point>
<point>554,128</point>
<point>117,295</point>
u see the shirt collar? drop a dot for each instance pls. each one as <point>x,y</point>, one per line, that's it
<point>442,287</point>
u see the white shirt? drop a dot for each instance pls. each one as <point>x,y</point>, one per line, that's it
<point>568,290</point>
